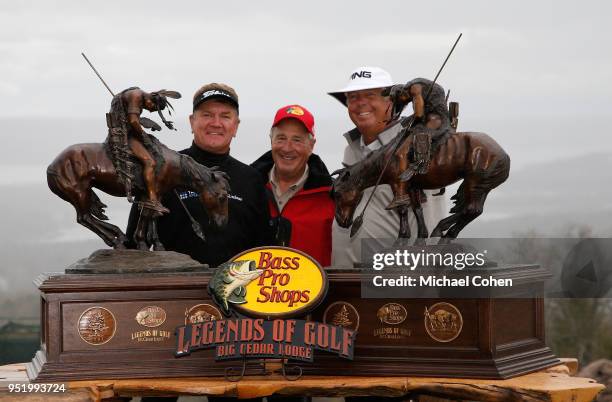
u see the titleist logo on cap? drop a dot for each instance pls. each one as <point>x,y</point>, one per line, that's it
<point>215,92</point>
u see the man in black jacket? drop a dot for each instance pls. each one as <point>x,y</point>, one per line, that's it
<point>214,124</point>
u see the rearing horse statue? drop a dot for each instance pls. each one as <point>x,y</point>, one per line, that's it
<point>81,167</point>
<point>474,157</point>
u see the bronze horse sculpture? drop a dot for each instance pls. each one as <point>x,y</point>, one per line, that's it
<point>474,157</point>
<point>81,167</point>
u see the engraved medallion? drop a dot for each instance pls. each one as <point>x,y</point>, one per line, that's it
<point>201,313</point>
<point>443,322</point>
<point>151,316</point>
<point>342,314</point>
<point>392,314</point>
<point>96,325</point>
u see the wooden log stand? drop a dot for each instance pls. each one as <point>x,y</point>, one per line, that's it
<point>554,384</point>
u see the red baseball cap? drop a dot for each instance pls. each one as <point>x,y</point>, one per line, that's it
<point>295,112</point>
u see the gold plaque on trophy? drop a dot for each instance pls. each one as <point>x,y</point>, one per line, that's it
<point>151,316</point>
<point>443,322</point>
<point>202,313</point>
<point>342,314</point>
<point>96,325</point>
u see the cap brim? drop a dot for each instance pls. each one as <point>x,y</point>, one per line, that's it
<point>341,94</point>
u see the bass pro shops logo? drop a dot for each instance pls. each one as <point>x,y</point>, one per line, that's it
<point>259,290</point>
<point>295,110</point>
<point>272,282</point>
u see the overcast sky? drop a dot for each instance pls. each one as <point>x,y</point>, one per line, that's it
<point>535,75</point>
<point>530,62</point>
<point>519,57</point>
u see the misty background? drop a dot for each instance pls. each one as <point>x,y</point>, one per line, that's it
<point>536,76</point>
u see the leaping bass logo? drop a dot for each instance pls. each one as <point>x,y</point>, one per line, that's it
<point>227,284</point>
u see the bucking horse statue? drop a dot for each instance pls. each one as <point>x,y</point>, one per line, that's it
<point>472,157</point>
<point>133,162</point>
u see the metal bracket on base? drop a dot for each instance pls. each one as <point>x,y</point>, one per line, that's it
<point>285,367</point>
<point>235,374</point>
<point>291,372</point>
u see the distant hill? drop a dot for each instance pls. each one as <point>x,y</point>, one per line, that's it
<point>550,198</point>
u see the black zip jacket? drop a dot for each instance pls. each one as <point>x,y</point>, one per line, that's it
<point>248,223</point>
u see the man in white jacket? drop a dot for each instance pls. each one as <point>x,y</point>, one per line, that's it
<point>371,114</point>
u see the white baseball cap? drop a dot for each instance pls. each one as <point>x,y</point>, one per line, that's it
<point>366,77</point>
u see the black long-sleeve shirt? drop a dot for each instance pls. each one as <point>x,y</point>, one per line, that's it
<point>248,224</point>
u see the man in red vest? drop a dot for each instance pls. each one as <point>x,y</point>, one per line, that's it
<point>298,185</point>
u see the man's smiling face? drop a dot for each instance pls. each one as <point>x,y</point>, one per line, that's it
<point>291,147</point>
<point>214,125</point>
<point>369,110</point>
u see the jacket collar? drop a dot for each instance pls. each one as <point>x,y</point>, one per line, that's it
<point>353,136</point>
<point>206,158</point>
<point>356,150</point>
<point>318,175</point>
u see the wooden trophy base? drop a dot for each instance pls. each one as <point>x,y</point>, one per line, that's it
<point>121,325</point>
<point>443,337</point>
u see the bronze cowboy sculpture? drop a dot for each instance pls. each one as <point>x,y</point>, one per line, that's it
<point>126,137</point>
<point>428,154</point>
<point>113,167</point>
